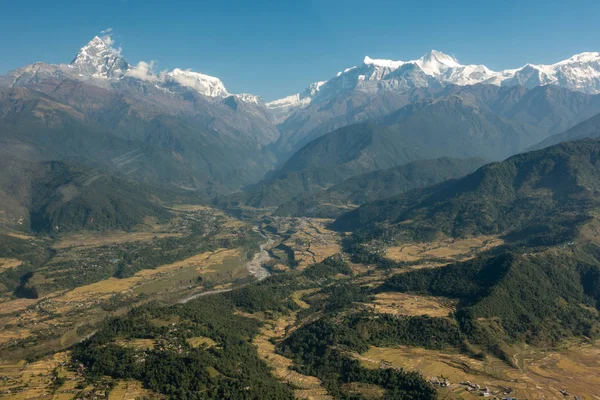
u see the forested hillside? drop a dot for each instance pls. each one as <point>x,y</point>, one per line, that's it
<point>589,128</point>
<point>540,298</point>
<point>540,196</point>
<point>58,196</point>
<point>377,185</point>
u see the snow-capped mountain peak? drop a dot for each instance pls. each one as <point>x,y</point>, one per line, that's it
<point>383,63</point>
<point>435,62</point>
<point>368,74</point>
<point>204,84</point>
<point>99,60</point>
<point>586,57</point>
<point>99,63</point>
<point>314,88</point>
<point>282,107</point>
<point>248,98</point>
<point>580,72</point>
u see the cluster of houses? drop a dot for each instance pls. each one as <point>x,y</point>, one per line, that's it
<point>442,382</point>
<point>485,391</point>
<point>475,388</point>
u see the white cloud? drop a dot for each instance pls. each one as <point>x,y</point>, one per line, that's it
<point>107,37</point>
<point>144,71</point>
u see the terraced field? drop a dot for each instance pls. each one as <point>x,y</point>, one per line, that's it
<point>573,370</point>
<point>412,305</point>
<point>306,387</point>
<point>59,318</point>
<point>307,241</point>
<point>447,249</point>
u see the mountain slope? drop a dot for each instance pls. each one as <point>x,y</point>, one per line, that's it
<point>589,128</point>
<point>451,126</point>
<point>375,87</point>
<point>547,109</point>
<point>82,122</point>
<point>541,197</point>
<point>184,126</point>
<point>349,108</point>
<point>377,185</point>
<point>460,122</point>
<point>539,298</point>
<point>58,196</point>
<point>66,198</point>
<point>478,121</point>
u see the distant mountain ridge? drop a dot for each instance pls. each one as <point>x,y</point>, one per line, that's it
<point>475,121</point>
<point>377,185</point>
<point>184,127</point>
<point>191,132</point>
<point>483,121</point>
<point>377,87</point>
<point>579,73</point>
<point>589,128</point>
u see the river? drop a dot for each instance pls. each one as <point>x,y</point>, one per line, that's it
<point>253,266</point>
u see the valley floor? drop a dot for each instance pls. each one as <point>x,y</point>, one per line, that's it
<point>35,334</point>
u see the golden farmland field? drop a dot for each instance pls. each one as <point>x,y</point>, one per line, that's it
<point>449,249</point>
<point>545,374</point>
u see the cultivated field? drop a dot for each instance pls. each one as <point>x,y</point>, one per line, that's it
<point>60,318</point>
<point>412,305</point>
<point>22,380</point>
<point>447,249</point>
<point>8,263</point>
<point>306,387</point>
<point>307,239</point>
<point>573,370</point>
<point>131,390</point>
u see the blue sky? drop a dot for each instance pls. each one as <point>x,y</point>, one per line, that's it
<point>276,48</point>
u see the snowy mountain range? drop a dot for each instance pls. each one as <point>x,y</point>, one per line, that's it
<point>579,73</point>
<point>100,64</point>
<point>177,126</point>
<point>189,130</point>
<point>99,60</point>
